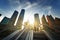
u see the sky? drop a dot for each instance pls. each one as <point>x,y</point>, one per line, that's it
<point>46,7</point>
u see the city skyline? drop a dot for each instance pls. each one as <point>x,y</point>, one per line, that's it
<point>29,19</point>
<point>47,30</point>
<point>45,7</point>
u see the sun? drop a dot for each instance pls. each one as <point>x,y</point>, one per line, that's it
<point>31,20</point>
<point>29,17</point>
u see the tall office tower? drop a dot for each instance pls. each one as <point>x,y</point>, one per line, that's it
<point>37,21</point>
<point>5,21</point>
<point>52,24</point>
<point>57,22</point>
<point>0,14</point>
<point>13,18</point>
<point>20,19</point>
<point>44,21</point>
<point>51,21</point>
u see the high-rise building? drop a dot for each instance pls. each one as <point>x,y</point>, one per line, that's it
<point>20,19</point>
<point>0,14</point>
<point>52,23</point>
<point>36,21</point>
<point>57,21</point>
<point>51,20</point>
<point>44,21</point>
<point>13,18</point>
<point>5,20</point>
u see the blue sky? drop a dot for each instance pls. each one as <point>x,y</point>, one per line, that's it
<point>46,7</point>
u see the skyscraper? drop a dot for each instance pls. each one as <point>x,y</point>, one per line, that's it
<point>57,21</point>
<point>5,20</point>
<point>13,18</point>
<point>44,21</point>
<point>20,19</point>
<point>50,21</point>
<point>37,21</point>
<point>52,24</point>
<point>0,14</point>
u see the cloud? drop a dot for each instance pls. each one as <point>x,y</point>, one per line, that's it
<point>30,5</point>
<point>49,10</point>
<point>14,3</point>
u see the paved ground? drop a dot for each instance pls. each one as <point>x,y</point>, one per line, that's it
<point>40,36</point>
